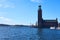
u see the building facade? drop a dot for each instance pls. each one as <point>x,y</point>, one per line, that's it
<point>45,23</point>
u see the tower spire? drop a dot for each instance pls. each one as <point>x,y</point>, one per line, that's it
<point>39,16</point>
<point>39,7</point>
<point>39,11</point>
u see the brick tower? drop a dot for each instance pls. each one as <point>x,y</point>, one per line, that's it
<point>40,20</point>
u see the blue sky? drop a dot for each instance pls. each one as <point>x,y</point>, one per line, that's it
<point>25,11</point>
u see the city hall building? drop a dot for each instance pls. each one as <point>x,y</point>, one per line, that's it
<point>45,23</point>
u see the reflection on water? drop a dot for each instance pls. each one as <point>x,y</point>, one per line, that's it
<point>26,33</point>
<point>39,33</point>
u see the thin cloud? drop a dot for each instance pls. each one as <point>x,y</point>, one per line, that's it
<point>38,1</point>
<point>6,4</point>
<point>3,0</point>
<point>4,20</point>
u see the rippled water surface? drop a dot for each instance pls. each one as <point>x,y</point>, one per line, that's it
<point>27,33</point>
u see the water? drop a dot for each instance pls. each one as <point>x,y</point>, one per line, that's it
<point>27,33</point>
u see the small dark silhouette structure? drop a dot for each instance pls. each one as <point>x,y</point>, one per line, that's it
<point>45,23</point>
<point>59,25</point>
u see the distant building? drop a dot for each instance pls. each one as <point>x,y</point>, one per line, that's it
<point>45,23</point>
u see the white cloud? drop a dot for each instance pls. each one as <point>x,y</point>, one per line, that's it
<point>4,20</point>
<point>36,1</point>
<point>6,4</point>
